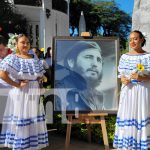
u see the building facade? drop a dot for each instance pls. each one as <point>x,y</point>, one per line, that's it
<point>45,22</point>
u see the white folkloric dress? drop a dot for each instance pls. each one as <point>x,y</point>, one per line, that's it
<point>133,119</point>
<point>24,126</point>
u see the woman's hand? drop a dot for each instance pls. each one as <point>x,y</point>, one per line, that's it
<point>4,76</point>
<point>23,83</point>
<point>125,80</point>
<point>39,79</point>
<point>135,76</point>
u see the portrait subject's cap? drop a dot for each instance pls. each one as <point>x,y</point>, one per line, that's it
<point>81,46</point>
<point>78,47</point>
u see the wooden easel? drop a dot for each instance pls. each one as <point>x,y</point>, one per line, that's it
<point>89,118</point>
<point>85,34</point>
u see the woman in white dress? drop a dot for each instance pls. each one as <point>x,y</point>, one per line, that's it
<point>133,119</point>
<point>24,126</point>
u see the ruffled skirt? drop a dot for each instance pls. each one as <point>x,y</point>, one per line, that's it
<point>24,124</point>
<point>133,119</point>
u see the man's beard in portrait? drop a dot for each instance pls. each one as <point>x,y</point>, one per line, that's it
<point>92,82</point>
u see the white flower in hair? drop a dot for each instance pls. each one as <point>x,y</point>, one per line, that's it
<point>144,34</point>
<point>12,41</point>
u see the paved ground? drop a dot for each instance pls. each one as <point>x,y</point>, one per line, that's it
<point>57,142</point>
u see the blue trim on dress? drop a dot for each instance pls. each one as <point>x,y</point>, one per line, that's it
<point>136,54</point>
<point>28,66</point>
<point>131,142</point>
<point>23,122</point>
<point>133,122</point>
<point>9,139</point>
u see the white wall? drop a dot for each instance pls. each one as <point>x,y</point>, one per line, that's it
<point>56,25</point>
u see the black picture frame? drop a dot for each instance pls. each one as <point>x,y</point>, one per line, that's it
<point>109,84</point>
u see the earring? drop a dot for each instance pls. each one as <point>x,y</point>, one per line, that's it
<point>17,51</point>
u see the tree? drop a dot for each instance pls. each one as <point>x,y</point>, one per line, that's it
<point>103,18</point>
<point>76,6</point>
<point>112,21</point>
<point>10,21</point>
<point>29,2</point>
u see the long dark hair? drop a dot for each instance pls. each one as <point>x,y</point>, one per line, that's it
<point>47,55</point>
<point>141,36</point>
<point>3,40</point>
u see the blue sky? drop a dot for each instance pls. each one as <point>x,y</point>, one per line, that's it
<point>126,5</point>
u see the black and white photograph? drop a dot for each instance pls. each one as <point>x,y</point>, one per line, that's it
<point>85,74</point>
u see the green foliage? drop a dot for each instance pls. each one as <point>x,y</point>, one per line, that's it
<point>60,5</point>
<point>97,132</point>
<point>61,128</point>
<point>123,51</point>
<point>76,6</point>
<point>29,2</point>
<point>11,22</point>
<point>110,125</point>
<point>103,18</point>
<point>80,130</point>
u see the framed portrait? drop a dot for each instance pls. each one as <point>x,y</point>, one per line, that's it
<point>85,74</point>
